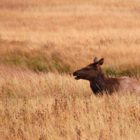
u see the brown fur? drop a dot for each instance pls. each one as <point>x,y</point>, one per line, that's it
<point>99,83</point>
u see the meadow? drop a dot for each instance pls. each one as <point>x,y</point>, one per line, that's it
<point>41,44</point>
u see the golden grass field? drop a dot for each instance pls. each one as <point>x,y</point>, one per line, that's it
<point>41,44</point>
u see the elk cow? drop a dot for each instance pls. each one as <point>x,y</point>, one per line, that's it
<point>99,83</point>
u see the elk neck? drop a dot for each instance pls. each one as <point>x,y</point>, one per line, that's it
<point>102,83</point>
<point>97,84</point>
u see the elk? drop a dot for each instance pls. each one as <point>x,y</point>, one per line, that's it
<point>99,83</point>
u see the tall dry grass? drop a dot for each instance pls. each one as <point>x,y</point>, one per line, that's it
<point>53,106</point>
<point>49,36</point>
<point>41,43</point>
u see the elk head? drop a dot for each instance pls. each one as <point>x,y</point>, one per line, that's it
<point>90,72</point>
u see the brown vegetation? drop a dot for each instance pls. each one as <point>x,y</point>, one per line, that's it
<point>53,106</point>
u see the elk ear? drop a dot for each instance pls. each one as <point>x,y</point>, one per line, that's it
<point>95,60</point>
<point>101,61</point>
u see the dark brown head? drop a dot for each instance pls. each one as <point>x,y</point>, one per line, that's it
<point>91,71</point>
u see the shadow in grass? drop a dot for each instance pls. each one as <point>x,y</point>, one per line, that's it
<point>41,61</point>
<point>38,61</point>
<point>59,65</point>
<point>115,72</point>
